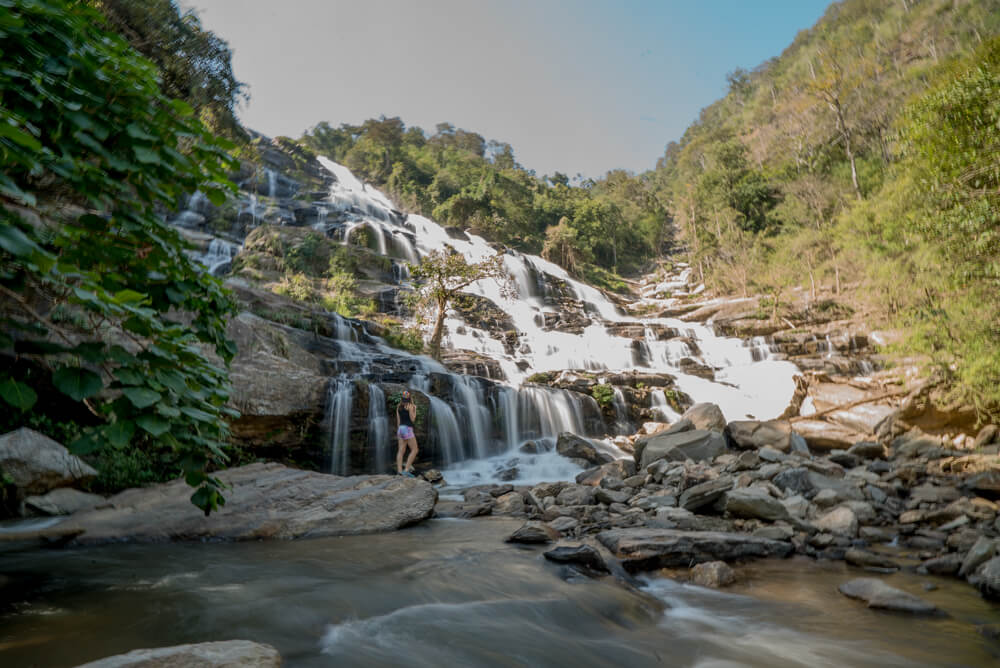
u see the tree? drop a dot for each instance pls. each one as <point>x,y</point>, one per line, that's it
<point>98,296</point>
<point>444,274</point>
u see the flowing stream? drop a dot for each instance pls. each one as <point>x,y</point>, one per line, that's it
<point>452,593</point>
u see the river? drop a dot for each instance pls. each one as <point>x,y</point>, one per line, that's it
<point>452,593</point>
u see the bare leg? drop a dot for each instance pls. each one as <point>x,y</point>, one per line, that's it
<point>399,455</point>
<point>412,442</point>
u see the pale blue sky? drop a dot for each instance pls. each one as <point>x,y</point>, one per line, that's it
<point>573,85</point>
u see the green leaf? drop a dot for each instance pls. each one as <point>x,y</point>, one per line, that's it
<point>17,394</point>
<point>168,411</point>
<point>146,155</point>
<point>19,136</point>
<point>154,424</point>
<point>85,445</point>
<point>129,297</point>
<point>141,397</point>
<point>215,196</point>
<point>120,433</point>
<point>15,242</point>
<point>76,382</point>
<point>129,376</point>
<point>92,351</point>
<point>197,414</point>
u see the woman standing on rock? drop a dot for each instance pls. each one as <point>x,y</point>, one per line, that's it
<point>406,413</point>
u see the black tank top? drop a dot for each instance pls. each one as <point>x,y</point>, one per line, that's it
<point>404,414</point>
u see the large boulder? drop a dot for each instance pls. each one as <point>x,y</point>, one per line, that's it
<point>702,494</point>
<point>532,533</point>
<point>840,521</point>
<point>36,464</point>
<point>640,549</point>
<point>879,595</point>
<point>714,574</point>
<point>225,654</point>
<point>576,447</point>
<point>987,579</point>
<point>753,435</point>
<point>262,501</point>
<point>698,445</point>
<point>705,416</point>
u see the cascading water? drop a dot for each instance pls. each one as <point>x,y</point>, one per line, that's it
<point>378,429</point>
<point>339,402</point>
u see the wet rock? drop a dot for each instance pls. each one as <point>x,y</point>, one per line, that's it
<point>432,476</point>
<point>640,549</point>
<point>36,464</point>
<point>946,564</point>
<point>697,445</point>
<point>62,501</point>
<point>655,500</point>
<point>879,595</point>
<point>844,458</point>
<point>531,448</point>
<point>263,501</point>
<point>533,533</point>
<point>607,496</point>
<point>839,521</point>
<point>775,532</point>
<point>715,574</point>
<point>705,493</point>
<point>751,434</point>
<point>577,447</point>
<point>500,490</point>
<point>585,555</point>
<point>987,578</point>
<point>915,443</point>
<point>866,559</point>
<point>225,654</point>
<point>706,416</point>
<point>982,551</point>
<point>754,503</point>
<point>619,469</point>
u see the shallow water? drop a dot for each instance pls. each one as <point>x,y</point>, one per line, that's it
<point>451,592</point>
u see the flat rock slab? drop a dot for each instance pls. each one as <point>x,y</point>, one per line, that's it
<point>263,501</point>
<point>641,549</point>
<point>877,594</point>
<point>227,654</point>
<point>584,555</point>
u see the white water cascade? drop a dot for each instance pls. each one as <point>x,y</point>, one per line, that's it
<point>378,429</point>
<point>340,396</point>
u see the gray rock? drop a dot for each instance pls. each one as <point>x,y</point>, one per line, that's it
<point>795,480</point>
<point>706,416</point>
<point>533,533</point>
<point>698,445</point>
<point>827,498</point>
<point>36,464</point>
<point>825,436</point>
<point>226,654</point>
<point>660,499</point>
<point>982,551</point>
<point>511,503</point>
<point>879,595</point>
<point>670,548</point>
<point>62,501</point>
<point>607,496</point>
<point>747,461</point>
<point>576,495</point>
<point>775,532</point>
<point>987,578</point>
<point>769,454</point>
<point>715,574</point>
<point>946,564</point>
<point>564,524</point>
<point>578,554</point>
<point>678,518</point>
<point>867,450</point>
<point>619,469</point>
<point>839,521</point>
<point>704,493</point>
<point>796,505</point>
<point>576,447</point>
<point>262,501</point>
<point>754,435</point>
<point>866,559</point>
<point>754,503</point>
<point>986,435</point>
<point>844,458</point>
<point>915,443</point>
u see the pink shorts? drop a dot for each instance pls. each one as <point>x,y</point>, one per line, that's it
<point>404,432</point>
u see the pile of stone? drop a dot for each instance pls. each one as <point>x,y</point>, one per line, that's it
<point>703,491</point>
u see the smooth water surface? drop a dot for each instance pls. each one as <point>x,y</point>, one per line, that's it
<point>452,593</point>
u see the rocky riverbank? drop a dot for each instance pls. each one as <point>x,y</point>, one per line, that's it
<point>704,491</point>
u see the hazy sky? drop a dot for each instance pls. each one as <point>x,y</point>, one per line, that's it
<point>573,85</point>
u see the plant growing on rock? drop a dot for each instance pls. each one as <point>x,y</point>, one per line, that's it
<point>443,275</point>
<point>91,150</point>
<point>604,394</point>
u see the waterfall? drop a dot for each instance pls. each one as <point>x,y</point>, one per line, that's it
<point>468,398</point>
<point>661,408</point>
<point>218,256</point>
<point>445,434</point>
<point>378,430</point>
<point>337,422</point>
<point>622,424</point>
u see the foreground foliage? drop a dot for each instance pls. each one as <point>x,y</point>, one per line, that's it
<point>101,306</point>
